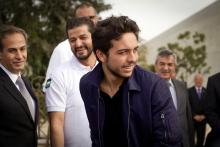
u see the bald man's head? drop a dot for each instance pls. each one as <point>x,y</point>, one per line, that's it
<point>198,80</point>
<point>86,10</point>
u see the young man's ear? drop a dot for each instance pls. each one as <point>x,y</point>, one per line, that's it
<point>100,55</point>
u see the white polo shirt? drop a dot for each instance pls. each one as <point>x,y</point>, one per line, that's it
<point>63,95</point>
<point>61,54</point>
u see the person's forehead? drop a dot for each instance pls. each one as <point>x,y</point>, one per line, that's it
<point>127,41</point>
<point>77,31</point>
<point>198,77</point>
<point>14,39</point>
<point>166,59</point>
<point>85,12</point>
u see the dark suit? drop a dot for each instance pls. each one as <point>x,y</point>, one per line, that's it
<point>198,108</point>
<point>17,128</point>
<point>213,110</point>
<point>184,113</point>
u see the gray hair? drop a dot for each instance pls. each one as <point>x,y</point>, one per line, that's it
<point>166,53</point>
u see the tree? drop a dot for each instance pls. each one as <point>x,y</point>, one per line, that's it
<point>44,21</point>
<point>191,54</point>
<point>142,51</point>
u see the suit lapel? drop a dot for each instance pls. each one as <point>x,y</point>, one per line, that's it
<point>14,92</point>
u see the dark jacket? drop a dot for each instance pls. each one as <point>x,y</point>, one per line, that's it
<point>150,119</point>
<point>184,113</point>
<point>17,128</point>
<point>212,110</point>
<point>197,104</point>
<point>213,102</point>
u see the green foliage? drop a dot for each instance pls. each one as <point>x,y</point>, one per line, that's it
<point>191,54</point>
<point>142,51</point>
<point>44,21</point>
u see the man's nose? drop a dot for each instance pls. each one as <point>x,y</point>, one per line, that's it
<point>78,43</point>
<point>166,67</point>
<point>132,56</point>
<point>19,54</point>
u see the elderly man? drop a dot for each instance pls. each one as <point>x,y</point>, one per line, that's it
<point>197,102</point>
<point>165,66</point>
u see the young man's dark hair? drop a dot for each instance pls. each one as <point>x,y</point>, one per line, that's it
<point>111,29</point>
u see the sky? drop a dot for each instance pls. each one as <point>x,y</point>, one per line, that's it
<point>155,16</point>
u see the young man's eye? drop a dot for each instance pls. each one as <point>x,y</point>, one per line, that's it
<point>122,52</point>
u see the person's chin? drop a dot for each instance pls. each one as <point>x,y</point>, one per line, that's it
<point>126,74</point>
<point>164,76</point>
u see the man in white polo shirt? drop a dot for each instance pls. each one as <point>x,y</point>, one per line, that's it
<point>68,121</point>
<point>62,52</point>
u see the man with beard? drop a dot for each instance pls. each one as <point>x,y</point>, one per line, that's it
<point>165,66</point>
<point>62,52</point>
<point>126,105</point>
<point>69,125</point>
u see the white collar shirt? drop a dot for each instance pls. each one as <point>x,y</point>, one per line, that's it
<point>63,95</point>
<point>11,75</point>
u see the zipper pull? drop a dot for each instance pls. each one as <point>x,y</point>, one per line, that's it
<point>162,116</point>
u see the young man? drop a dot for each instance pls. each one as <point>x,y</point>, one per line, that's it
<point>62,51</point>
<point>126,106</point>
<point>18,104</point>
<point>165,66</point>
<point>197,102</point>
<point>68,121</point>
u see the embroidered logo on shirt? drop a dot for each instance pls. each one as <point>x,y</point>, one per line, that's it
<point>48,83</point>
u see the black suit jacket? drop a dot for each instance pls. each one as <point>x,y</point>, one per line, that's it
<point>197,105</point>
<point>213,103</point>
<point>184,113</point>
<point>17,128</point>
